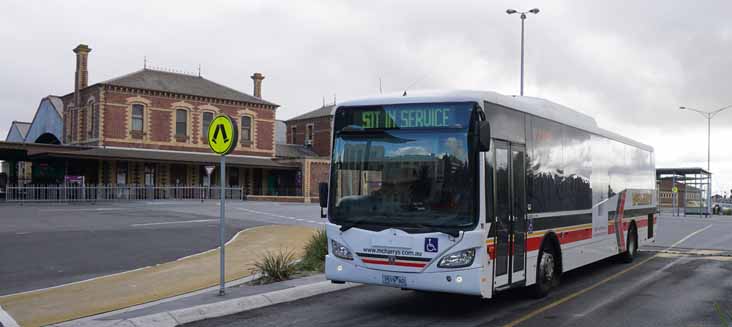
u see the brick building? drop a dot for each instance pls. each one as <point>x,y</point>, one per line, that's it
<point>148,128</point>
<point>313,129</point>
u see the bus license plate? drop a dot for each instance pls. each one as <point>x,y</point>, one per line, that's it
<point>392,280</point>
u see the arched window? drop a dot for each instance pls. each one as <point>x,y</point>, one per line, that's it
<point>181,123</point>
<point>138,117</point>
<point>246,129</point>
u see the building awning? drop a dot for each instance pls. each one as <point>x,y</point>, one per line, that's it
<point>28,151</point>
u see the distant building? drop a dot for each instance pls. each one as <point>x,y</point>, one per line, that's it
<point>691,189</point>
<point>149,128</point>
<point>313,129</point>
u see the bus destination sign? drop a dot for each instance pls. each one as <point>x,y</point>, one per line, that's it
<point>406,118</point>
<point>448,115</point>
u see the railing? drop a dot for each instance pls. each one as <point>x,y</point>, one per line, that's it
<point>92,193</point>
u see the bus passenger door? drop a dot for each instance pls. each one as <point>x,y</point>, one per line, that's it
<point>510,204</point>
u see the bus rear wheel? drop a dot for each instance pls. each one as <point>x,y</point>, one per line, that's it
<point>632,243</point>
<point>547,274</point>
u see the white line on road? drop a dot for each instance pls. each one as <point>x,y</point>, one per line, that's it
<point>543,309</point>
<point>623,292</point>
<point>637,285</point>
<point>175,222</point>
<point>116,274</point>
<point>88,209</point>
<point>6,320</point>
<point>280,216</point>
<point>688,236</point>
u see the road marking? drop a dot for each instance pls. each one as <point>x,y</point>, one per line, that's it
<point>273,215</point>
<point>687,237</point>
<point>175,222</point>
<point>89,209</point>
<point>6,320</point>
<point>125,272</point>
<point>602,282</point>
<point>635,286</point>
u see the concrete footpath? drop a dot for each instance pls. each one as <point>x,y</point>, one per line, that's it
<point>206,304</point>
<point>144,285</point>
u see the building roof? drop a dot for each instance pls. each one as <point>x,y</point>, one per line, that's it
<point>534,106</point>
<point>22,126</point>
<point>295,151</point>
<point>57,103</point>
<point>324,111</point>
<point>682,171</point>
<point>149,79</point>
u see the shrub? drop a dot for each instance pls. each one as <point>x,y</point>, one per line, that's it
<point>276,266</point>
<point>315,251</point>
<point>724,315</point>
<point>727,211</point>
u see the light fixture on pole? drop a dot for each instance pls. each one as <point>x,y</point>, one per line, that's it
<point>708,115</point>
<point>523,18</point>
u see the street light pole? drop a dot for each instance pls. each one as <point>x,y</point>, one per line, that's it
<point>523,20</point>
<point>708,115</point>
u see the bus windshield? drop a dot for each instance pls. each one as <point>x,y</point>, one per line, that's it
<point>401,173</point>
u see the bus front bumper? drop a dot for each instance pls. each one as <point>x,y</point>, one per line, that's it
<point>462,281</point>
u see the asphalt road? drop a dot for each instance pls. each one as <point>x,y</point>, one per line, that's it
<point>48,245</point>
<point>655,290</point>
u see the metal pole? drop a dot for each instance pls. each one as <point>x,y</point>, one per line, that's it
<point>523,18</point>
<point>222,202</point>
<point>709,160</point>
<point>674,200</point>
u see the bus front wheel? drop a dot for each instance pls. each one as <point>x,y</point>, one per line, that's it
<point>547,274</point>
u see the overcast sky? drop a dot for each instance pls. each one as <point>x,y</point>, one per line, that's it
<point>629,64</point>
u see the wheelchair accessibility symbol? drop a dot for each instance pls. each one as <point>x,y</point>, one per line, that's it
<point>430,244</point>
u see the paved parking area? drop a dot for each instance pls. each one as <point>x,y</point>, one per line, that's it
<point>44,245</point>
<point>658,289</point>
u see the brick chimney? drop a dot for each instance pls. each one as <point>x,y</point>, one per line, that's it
<point>82,73</point>
<point>257,78</point>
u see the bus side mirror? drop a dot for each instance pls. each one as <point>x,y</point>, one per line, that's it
<point>484,134</point>
<point>323,193</point>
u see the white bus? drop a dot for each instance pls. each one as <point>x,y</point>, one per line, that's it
<point>476,192</point>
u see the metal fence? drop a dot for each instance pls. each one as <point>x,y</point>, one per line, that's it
<point>92,193</point>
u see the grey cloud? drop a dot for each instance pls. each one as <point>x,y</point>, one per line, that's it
<point>628,63</point>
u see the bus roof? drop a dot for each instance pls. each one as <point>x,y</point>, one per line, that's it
<point>534,106</point>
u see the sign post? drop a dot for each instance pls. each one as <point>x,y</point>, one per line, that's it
<point>223,135</point>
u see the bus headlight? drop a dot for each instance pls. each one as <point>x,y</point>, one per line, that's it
<point>458,259</point>
<point>340,250</point>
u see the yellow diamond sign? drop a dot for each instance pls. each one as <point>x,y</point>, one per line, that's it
<point>223,135</point>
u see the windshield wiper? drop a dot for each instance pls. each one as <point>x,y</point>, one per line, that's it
<point>353,223</point>
<point>453,231</point>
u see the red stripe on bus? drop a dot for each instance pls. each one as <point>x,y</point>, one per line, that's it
<point>396,263</point>
<point>533,243</point>
<point>640,222</point>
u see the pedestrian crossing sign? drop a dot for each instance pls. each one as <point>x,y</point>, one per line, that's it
<point>223,135</point>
